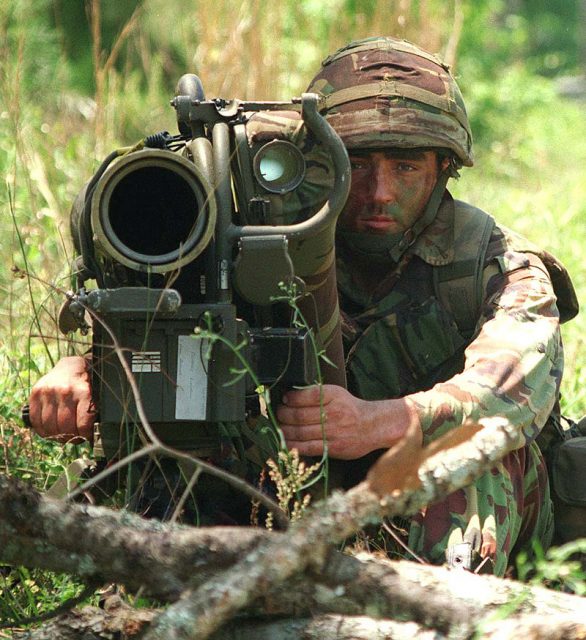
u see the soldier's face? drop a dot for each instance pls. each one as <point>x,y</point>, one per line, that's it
<point>389,191</point>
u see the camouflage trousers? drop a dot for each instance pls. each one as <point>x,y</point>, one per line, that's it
<point>499,515</point>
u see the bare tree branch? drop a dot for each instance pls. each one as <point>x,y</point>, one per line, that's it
<point>213,574</point>
<point>198,614</point>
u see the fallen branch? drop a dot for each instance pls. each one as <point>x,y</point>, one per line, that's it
<point>92,623</point>
<point>101,545</point>
<point>398,484</point>
<point>118,618</point>
<point>292,574</point>
<point>97,624</point>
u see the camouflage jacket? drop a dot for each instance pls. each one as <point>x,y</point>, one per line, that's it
<point>402,341</point>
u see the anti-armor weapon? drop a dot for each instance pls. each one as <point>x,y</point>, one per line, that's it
<point>193,246</point>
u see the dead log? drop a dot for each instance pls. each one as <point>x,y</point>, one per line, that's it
<point>96,624</point>
<point>404,480</point>
<point>213,574</point>
<point>92,623</point>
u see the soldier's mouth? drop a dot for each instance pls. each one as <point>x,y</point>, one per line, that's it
<point>381,223</point>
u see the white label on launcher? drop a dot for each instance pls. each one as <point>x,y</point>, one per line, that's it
<point>192,381</point>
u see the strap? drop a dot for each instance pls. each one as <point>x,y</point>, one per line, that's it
<point>394,89</point>
<point>411,235</point>
<point>459,285</point>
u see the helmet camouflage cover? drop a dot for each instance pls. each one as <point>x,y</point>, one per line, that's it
<point>385,92</point>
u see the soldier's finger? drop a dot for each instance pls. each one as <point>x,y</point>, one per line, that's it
<point>45,424</point>
<point>65,423</point>
<point>298,415</point>
<point>34,411</point>
<point>303,433</point>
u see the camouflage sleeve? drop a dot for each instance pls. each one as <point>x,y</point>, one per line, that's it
<point>513,367</point>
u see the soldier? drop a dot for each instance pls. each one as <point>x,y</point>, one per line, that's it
<point>447,316</point>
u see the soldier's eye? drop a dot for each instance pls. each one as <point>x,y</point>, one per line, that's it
<point>406,167</point>
<point>358,164</point>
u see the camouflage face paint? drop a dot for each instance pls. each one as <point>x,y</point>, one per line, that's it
<point>390,189</point>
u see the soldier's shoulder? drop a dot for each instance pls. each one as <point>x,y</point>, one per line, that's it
<point>503,241</point>
<point>511,251</point>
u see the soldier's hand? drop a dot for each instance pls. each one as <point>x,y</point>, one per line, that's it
<point>60,402</point>
<point>351,426</point>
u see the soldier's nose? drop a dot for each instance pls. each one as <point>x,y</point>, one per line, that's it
<point>383,185</point>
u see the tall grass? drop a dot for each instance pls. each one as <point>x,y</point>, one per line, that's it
<point>267,50</point>
<point>530,152</point>
<point>53,137</point>
<point>530,164</point>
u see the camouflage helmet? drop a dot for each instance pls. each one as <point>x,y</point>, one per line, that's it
<point>385,92</point>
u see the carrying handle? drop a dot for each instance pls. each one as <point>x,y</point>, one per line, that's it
<point>328,214</point>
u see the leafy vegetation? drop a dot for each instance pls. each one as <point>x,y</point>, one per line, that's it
<point>74,84</point>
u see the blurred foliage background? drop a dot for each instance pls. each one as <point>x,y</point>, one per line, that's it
<point>78,78</point>
<point>81,77</point>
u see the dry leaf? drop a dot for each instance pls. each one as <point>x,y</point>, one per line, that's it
<point>397,469</point>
